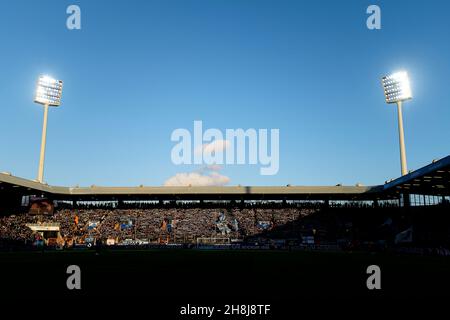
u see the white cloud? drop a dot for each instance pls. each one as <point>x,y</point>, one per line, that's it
<point>207,176</point>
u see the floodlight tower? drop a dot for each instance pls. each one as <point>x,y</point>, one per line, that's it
<point>48,93</point>
<point>396,90</point>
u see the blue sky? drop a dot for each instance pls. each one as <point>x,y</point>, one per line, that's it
<point>137,70</point>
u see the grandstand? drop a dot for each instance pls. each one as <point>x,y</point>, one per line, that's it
<point>342,216</point>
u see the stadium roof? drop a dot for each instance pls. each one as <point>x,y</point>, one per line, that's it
<point>433,179</point>
<point>19,185</point>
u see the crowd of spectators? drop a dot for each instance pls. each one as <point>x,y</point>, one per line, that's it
<point>183,223</point>
<point>14,227</point>
<point>186,222</point>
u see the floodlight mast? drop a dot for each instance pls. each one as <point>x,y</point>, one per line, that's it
<point>396,90</point>
<point>43,144</point>
<point>401,135</point>
<point>48,93</point>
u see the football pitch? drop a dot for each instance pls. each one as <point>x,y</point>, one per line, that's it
<point>217,274</point>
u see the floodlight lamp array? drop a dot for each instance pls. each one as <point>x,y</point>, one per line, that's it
<point>48,91</point>
<point>397,87</point>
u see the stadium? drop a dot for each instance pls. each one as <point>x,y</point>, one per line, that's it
<point>140,210</point>
<point>382,215</point>
<point>161,228</point>
<point>232,215</point>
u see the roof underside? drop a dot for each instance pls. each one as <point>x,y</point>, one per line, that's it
<point>433,179</point>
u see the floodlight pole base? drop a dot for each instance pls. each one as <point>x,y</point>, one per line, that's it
<point>401,139</point>
<point>43,143</point>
